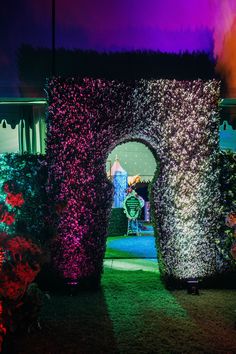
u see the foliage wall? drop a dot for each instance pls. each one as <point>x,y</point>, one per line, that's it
<point>22,219</point>
<point>26,175</point>
<point>226,236</point>
<point>118,223</point>
<point>178,120</point>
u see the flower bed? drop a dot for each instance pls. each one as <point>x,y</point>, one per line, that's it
<point>23,201</point>
<point>19,255</point>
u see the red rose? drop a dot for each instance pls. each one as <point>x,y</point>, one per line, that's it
<point>15,200</point>
<point>8,218</point>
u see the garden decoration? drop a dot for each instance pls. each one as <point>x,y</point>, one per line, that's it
<point>132,208</point>
<point>179,121</point>
<point>134,180</point>
<point>133,205</point>
<point>119,180</point>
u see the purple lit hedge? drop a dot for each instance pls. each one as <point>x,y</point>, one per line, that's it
<point>178,121</point>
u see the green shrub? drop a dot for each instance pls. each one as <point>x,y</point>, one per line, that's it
<point>118,222</point>
<point>228,204</point>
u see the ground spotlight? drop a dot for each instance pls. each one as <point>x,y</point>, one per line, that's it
<point>192,287</point>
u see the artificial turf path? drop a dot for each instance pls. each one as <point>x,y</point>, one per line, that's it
<point>133,313</point>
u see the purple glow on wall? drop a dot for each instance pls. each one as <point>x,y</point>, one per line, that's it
<point>171,25</point>
<point>117,25</point>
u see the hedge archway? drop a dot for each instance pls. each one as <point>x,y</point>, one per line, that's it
<point>87,118</point>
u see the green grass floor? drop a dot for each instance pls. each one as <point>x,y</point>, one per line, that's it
<point>133,313</point>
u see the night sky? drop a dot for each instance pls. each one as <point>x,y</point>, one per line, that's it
<point>109,25</point>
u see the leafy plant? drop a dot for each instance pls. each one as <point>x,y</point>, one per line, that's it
<point>19,258</point>
<point>226,238</point>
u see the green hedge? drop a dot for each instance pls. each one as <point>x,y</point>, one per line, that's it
<point>118,222</point>
<point>28,174</point>
<point>227,162</point>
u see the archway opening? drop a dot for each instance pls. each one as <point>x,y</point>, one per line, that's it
<point>132,169</point>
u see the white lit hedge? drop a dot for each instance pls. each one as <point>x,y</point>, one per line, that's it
<point>178,121</point>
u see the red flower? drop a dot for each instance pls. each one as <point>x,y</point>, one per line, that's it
<point>8,218</point>
<point>6,188</point>
<point>19,245</point>
<point>25,273</point>
<point>12,289</point>
<point>15,200</point>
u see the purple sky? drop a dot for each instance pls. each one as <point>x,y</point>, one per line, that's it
<point>110,25</point>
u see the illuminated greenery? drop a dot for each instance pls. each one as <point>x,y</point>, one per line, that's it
<point>28,175</point>
<point>226,237</point>
<point>98,115</point>
<point>133,313</point>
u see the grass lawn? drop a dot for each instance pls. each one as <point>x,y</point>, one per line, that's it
<point>133,313</point>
